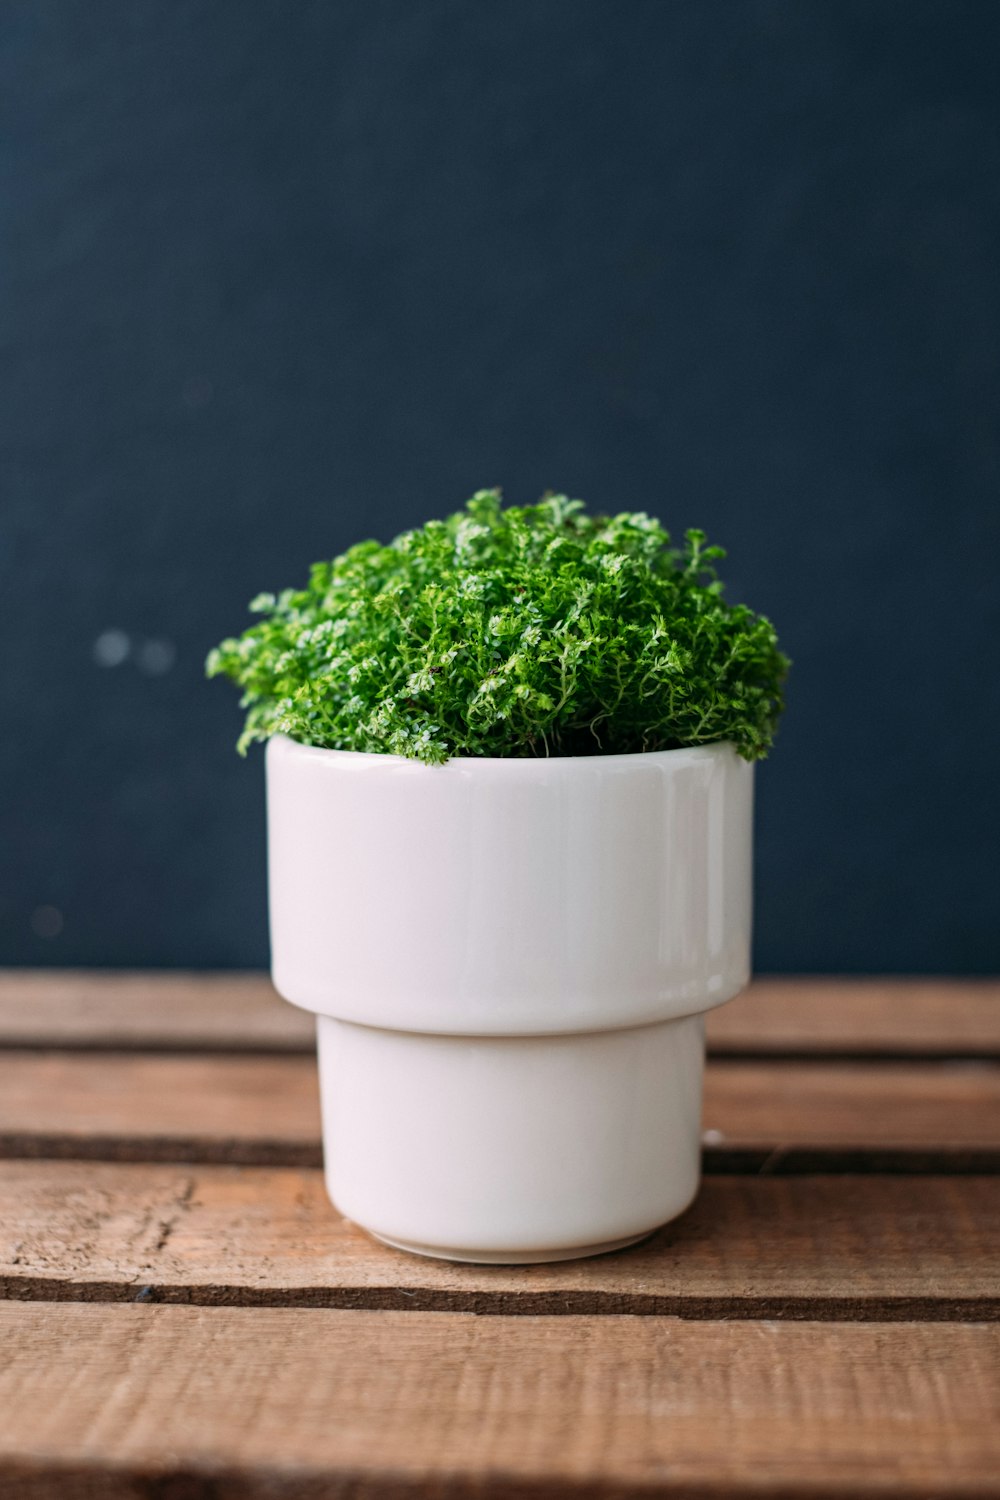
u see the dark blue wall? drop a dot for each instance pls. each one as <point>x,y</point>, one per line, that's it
<point>276,276</point>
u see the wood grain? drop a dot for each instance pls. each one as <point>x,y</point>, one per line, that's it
<point>271,1402</point>
<point>776,1354</point>
<point>242,1013</point>
<point>800,1113</point>
<point>163,1011</point>
<point>776,1116</point>
<point>803,1247</point>
<point>861,1017</point>
<point>159,1107</point>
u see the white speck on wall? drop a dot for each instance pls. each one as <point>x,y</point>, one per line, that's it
<point>712,1137</point>
<point>111,648</point>
<point>46,921</point>
<point>156,657</point>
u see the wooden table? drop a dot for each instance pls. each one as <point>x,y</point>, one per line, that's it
<point>186,1317</point>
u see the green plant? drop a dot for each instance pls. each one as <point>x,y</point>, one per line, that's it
<point>535,630</point>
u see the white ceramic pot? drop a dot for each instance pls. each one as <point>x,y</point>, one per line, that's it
<point>510,961</point>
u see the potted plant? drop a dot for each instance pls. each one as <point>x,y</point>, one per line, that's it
<point>509,782</point>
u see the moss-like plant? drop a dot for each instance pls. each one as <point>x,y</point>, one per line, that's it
<point>535,630</point>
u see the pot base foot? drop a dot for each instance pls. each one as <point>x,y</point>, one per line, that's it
<point>512,1257</point>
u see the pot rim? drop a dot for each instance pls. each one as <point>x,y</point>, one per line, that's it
<point>516,763</point>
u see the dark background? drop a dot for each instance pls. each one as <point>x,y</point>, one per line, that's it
<point>277,276</point>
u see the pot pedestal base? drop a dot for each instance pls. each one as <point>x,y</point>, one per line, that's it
<point>512,1257</point>
<point>511,1150</point>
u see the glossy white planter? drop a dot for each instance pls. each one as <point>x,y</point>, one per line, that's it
<point>510,961</point>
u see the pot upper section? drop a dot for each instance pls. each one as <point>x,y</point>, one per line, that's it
<point>509,897</point>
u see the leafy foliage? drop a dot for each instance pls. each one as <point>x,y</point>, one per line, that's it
<point>535,630</point>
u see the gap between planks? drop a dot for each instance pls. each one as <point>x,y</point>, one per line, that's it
<point>786,1016</point>
<point>227,1402</point>
<point>827,1249</point>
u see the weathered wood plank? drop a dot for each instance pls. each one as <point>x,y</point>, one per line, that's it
<point>281,1402</point>
<point>149,1107</point>
<point>241,1012</point>
<point>873,1107</point>
<point>165,1011</point>
<point>804,1247</point>
<point>264,1110</point>
<point>890,1017</point>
